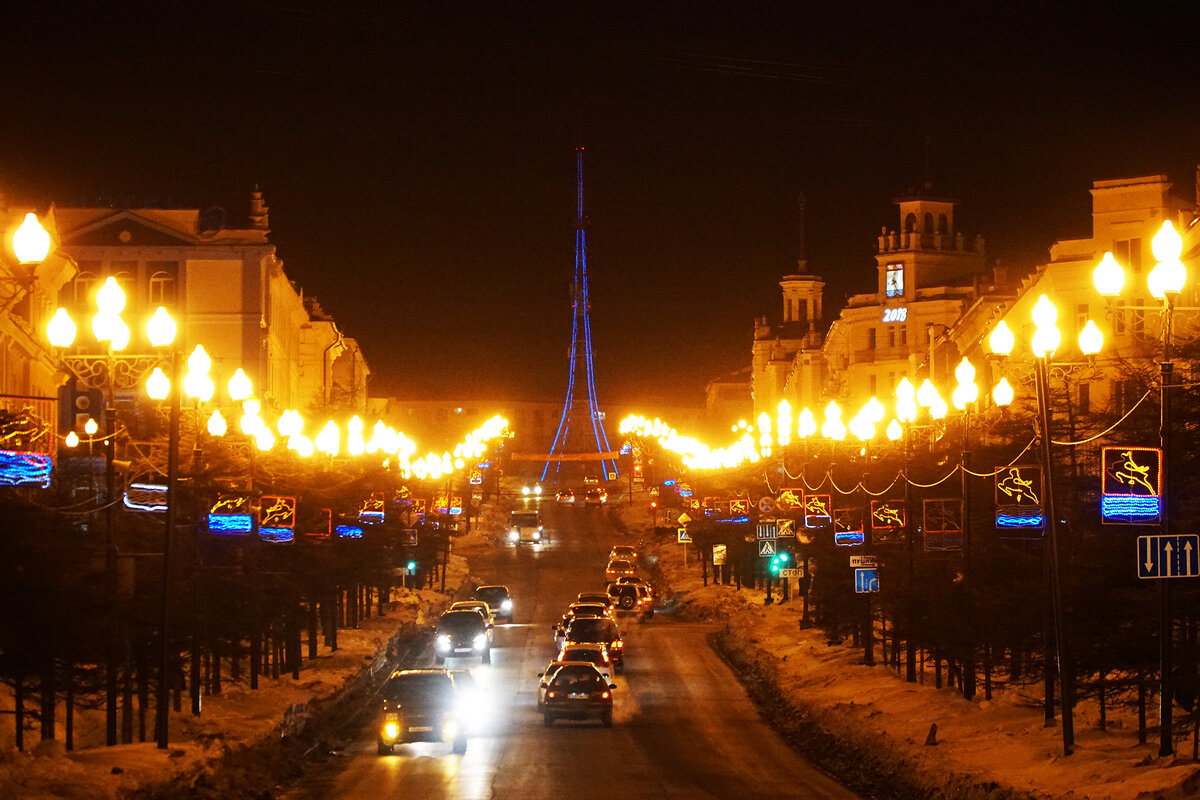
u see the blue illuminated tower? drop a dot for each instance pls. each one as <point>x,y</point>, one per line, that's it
<point>581,428</point>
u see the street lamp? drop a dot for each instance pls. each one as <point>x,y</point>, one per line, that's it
<point>108,372</point>
<point>1165,282</point>
<point>1046,340</point>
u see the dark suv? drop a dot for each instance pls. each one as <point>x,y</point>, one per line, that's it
<point>599,629</point>
<point>462,633</point>
<point>421,705</point>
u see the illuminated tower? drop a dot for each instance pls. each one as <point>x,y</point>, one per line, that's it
<point>581,428</point>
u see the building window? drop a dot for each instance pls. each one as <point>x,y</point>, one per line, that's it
<point>872,381</point>
<point>1081,316</point>
<point>1085,398</point>
<point>86,286</point>
<point>904,336</point>
<point>894,280</point>
<point>788,312</point>
<point>162,289</point>
<point>870,338</point>
<point>891,337</point>
<point>1128,253</point>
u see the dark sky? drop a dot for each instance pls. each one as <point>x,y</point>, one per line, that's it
<point>419,158</point>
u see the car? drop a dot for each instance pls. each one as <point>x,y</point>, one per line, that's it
<point>565,496</point>
<point>525,525</point>
<point>421,705</point>
<point>591,480</point>
<point>637,581</point>
<point>616,568</point>
<point>578,691</point>
<point>498,598</point>
<point>547,675</point>
<point>599,629</point>
<point>478,605</point>
<point>595,497</point>
<point>624,551</point>
<point>576,611</point>
<point>465,633</point>
<point>631,598</point>
<point>595,653</point>
<point>594,597</point>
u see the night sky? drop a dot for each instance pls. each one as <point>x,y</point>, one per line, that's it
<point>419,162</point>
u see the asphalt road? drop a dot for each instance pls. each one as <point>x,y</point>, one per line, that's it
<point>684,727</point>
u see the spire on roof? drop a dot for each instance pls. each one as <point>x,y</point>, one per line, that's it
<point>258,211</point>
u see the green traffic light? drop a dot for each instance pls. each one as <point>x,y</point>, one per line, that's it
<point>412,566</point>
<point>783,557</point>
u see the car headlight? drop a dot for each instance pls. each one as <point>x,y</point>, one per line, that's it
<point>391,730</point>
<point>506,605</point>
<point>537,535</point>
<point>514,535</point>
<point>442,642</point>
<point>449,730</point>
<point>481,641</point>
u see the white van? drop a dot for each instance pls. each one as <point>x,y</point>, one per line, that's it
<point>525,525</point>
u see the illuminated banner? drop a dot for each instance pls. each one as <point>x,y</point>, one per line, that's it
<point>24,469</point>
<point>476,478</point>
<point>943,524</point>
<point>565,456</point>
<point>371,511</point>
<point>277,519</point>
<point>349,532</point>
<point>146,497</point>
<point>818,510</point>
<point>1019,512</point>
<point>888,519</point>
<point>418,505</point>
<point>1131,486</point>
<point>230,516</point>
<point>790,500</point>
<point>739,508</point>
<point>848,527</point>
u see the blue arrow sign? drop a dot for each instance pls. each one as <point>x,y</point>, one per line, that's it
<point>866,581</point>
<point>766,548</point>
<point>1169,556</point>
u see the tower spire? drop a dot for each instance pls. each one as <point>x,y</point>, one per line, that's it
<point>581,427</point>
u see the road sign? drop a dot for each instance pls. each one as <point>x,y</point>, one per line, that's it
<point>767,505</point>
<point>684,519</point>
<point>766,548</point>
<point>767,530</point>
<point>791,572</point>
<point>787,528</point>
<point>1169,556</point>
<point>866,581</point>
<point>739,507</point>
<point>864,561</point>
<point>718,555</point>
<point>684,536</point>
<point>408,537</point>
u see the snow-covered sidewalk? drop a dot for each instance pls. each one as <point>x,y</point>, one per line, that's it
<point>982,746</point>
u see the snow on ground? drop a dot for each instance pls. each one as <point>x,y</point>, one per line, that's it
<point>1001,741</point>
<point>237,717</point>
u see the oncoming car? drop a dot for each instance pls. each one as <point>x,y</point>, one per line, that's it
<point>498,599</point>
<point>462,633</point>
<point>525,526</point>
<point>421,705</point>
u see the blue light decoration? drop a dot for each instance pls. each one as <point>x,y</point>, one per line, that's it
<point>19,468</point>
<point>669,482</point>
<point>276,535</point>
<point>349,532</point>
<point>818,510</point>
<point>580,319</point>
<point>485,465</point>
<point>230,524</point>
<point>737,519</point>
<point>849,529</point>
<point>1131,487</point>
<point>1019,513</point>
<point>626,448</point>
<point>146,497</point>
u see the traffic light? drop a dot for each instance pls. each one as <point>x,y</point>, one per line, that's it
<point>412,567</point>
<point>780,561</point>
<point>77,404</point>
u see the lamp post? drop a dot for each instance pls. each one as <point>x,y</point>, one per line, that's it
<point>1046,340</point>
<point>1165,282</point>
<point>906,413</point>
<point>108,372</point>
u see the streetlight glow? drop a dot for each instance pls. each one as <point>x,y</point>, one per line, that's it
<point>72,439</point>
<point>216,424</point>
<point>1108,277</point>
<point>1091,340</point>
<point>894,430</point>
<point>31,242</point>
<point>160,329</point>
<point>60,330</point>
<point>1002,394</point>
<point>110,299</point>
<point>239,386</point>
<point>1047,336</point>
<point>906,403</point>
<point>328,441</point>
<point>1001,339</point>
<point>1167,244</point>
<point>91,426</point>
<point>158,386</point>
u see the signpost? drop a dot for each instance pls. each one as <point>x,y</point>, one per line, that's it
<point>791,572</point>
<point>766,548</point>
<point>866,581</point>
<point>767,530</point>
<point>766,505</point>
<point>866,562</point>
<point>684,536</point>
<point>718,555</point>
<point>1169,556</point>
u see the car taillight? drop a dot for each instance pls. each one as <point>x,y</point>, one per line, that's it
<point>549,694</point>
<point>604,695</point>
<point>618,644</point>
